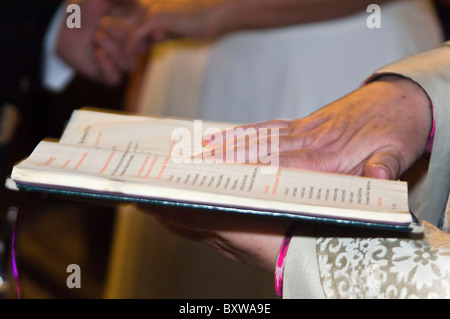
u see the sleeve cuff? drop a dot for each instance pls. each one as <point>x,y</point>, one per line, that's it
<point>300,276</point>
<point>56,74</point>
<point>279,270</point>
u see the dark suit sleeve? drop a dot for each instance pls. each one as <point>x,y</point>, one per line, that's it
<point>23,24</point>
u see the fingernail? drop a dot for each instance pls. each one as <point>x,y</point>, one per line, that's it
<point>380,171</point>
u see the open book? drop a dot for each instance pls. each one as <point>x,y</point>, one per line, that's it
<point>132,159</point>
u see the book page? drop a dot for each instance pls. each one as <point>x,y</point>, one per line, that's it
<point>135,133</point>
<point>150,175</point>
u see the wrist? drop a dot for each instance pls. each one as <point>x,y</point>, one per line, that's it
<point>419,107</point>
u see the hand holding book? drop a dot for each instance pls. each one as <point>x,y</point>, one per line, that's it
<point>364,133</point>
<point>252,240</point>
<point>111,156</point>
<point>386,156</point>
<point>142,159</point>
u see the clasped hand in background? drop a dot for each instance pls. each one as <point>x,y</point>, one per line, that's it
<point>114,33</point>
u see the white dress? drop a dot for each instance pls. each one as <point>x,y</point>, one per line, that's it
<point>247,77</point>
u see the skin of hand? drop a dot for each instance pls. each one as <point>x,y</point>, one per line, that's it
<point>196,19</point>
<point>160,22</point>
<point>379,131</point>
<point>87,49</point>
<point>249,239</point>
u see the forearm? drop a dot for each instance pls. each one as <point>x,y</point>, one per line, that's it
<point>56,74</point>
<point>254,14</point>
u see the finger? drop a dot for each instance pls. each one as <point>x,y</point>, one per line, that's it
<point>299,159</point>
<point>274,126</point>
<point>123,7</point>
<point>113,27</point>
<point>232,152</point>
<point>108,72</point>
<point>141,38</point>
<point>111,48</point>
<point>384,165</point>
<point>309,159</point>
<point>243,148</point>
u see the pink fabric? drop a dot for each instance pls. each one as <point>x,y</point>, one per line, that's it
<point>433,129</point>
<point>279,270</point>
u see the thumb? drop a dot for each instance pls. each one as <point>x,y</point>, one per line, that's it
<point>383,165</point>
